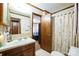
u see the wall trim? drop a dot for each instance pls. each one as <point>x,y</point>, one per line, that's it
<point>38,8</point>
<point>19,13</point>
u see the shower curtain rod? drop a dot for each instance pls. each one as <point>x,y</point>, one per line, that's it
<point>63,9</point>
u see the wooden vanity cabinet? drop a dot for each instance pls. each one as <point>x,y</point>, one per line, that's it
<point>26,50</point>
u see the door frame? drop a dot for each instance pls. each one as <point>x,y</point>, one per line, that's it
<point>33,13</point>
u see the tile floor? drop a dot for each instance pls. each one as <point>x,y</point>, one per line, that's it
<point>39,51</point>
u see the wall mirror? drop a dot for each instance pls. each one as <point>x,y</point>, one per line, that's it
<point>19,19</point>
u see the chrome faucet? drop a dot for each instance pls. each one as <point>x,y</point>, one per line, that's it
<point>9,38</point>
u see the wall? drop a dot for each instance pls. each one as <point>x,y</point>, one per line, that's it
<point>28,33</point>
<point>5,13</point>
<point>4,17</point>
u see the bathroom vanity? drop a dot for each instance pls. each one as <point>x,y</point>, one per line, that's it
<point>25,47</point>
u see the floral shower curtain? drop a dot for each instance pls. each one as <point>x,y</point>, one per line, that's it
<point>65,30</point>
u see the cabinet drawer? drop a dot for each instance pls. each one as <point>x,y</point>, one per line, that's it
<point>17,54</point>
<point>27,47</point>
<point>28,52</point>
<point>12,51</point>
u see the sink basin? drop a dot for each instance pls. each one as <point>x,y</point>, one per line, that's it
<point>16,41</point>
<point>19,42</point>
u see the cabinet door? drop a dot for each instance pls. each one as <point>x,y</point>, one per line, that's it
<point>1,13</point>
<point>12,52</point>
<point>46,33</point>
<point>28,52</point>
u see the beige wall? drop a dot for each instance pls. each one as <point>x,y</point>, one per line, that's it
<point>29,32</point>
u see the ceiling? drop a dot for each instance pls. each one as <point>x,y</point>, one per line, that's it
<point>52,7</point>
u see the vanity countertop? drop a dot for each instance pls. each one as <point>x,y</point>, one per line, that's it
<point>16,43</point>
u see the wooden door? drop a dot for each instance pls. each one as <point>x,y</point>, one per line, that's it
<point>46,33</point>
<point>1,13</point>
<point>15,26</point>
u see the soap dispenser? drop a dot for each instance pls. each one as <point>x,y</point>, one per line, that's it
<point>6,37</point>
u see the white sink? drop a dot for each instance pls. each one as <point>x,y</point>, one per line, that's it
<point>16,41</point>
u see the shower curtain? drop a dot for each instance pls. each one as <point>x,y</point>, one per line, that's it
<point>65,30</point>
